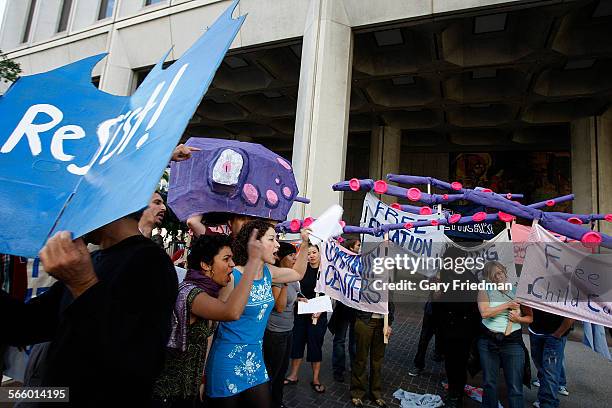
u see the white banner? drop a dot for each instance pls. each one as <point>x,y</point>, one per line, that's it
<point>498,249</point>
<point>565,279</point>
<point>426,242</point>
<point>348,278</point>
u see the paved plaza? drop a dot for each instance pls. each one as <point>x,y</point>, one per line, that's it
<point>588,373</point>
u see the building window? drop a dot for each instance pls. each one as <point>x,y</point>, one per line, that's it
<point>28,24</point>
<point>150,2</point>
<point>106,9</point>
<point>64,16</point>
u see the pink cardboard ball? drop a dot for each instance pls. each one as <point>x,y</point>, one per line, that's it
<point>414,194</point>
<point>445,197</point>
<point>479,216</point>
<point>509,196</point>
<point>591,239</point>
<point>380,187</point>
<point>455,185</point>
<point>454,218</point>
<point>294,225</point>
<point>487,190</point>
<point>250,193</point>
<point>550,203</point>
<point>408,225</point>
<point>271,197</point>
<point>307,222</point>
<point>425,210</point>
<point>340,239</point>
<point>342,223</point>
<point>505,217</point>
<point>435,223</point>
<point>608,217</point>
<point>396,206</point>
<point>574,220</point>
<point>354,184</point>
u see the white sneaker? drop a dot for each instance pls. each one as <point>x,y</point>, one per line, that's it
<point>536,404</point>
<point>563,390</point>
<point>535,383</point>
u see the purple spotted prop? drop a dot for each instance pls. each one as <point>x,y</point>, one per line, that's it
<point>232,177</point>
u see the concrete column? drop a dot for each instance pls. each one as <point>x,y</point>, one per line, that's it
<point>321,129</point>
<point>117,74</point>
<point>604,168</point>
<point>584,165</point>
<point>385,151</point>
<point>591,140</point>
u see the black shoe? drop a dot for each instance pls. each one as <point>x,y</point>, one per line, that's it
<point>339,377</point>
<point>453,402</point>
<point>415,372</point>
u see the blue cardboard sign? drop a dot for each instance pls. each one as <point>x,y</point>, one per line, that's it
<point>75,158</point>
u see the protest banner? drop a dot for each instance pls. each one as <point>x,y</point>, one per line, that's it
<point>75,158</point>
<point>564,279</point>
<point>477,230</point>
<point>39,281</point>
<point>348,278</point>
<point>520,239</point>
<point>425,242</point>
<point>498,249</point>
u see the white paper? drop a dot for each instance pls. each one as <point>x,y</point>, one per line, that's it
<point>180,273</point>
<point>315,305</point>
<point>327,225</point>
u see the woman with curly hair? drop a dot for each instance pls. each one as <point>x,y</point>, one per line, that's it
<point>210,264</point>
<point>235,373</point>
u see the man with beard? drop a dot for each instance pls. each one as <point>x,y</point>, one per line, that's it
<point>107,317</point>
<point>153,216</point>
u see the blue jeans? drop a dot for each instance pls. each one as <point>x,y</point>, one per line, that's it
<point>339,349</point>
<point>547,355</point>
<point>509,355</point>
<point>562,379</point>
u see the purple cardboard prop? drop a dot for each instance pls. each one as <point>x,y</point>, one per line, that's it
<point>232,177</point>
<point>549,221</point>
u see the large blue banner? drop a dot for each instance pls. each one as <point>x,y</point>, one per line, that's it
<point>75,158</point>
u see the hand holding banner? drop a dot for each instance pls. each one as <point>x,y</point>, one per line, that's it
<point>563,279</point>
<point>74,158</point>
<point>348,278</point>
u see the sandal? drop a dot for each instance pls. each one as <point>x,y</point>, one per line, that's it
<point>320,388</point>
<point>289,381</point>
<point>357,402</point>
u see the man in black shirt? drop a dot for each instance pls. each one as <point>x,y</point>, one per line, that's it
<point>107,317</point>
<point>547,336</point>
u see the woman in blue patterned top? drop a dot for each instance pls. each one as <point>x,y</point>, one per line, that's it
<point>210,263</point>
<point>236,374</point>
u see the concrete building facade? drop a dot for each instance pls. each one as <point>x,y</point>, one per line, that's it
<point>362,88</point>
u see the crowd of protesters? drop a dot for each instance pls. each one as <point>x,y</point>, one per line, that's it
<point>229,334</point>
